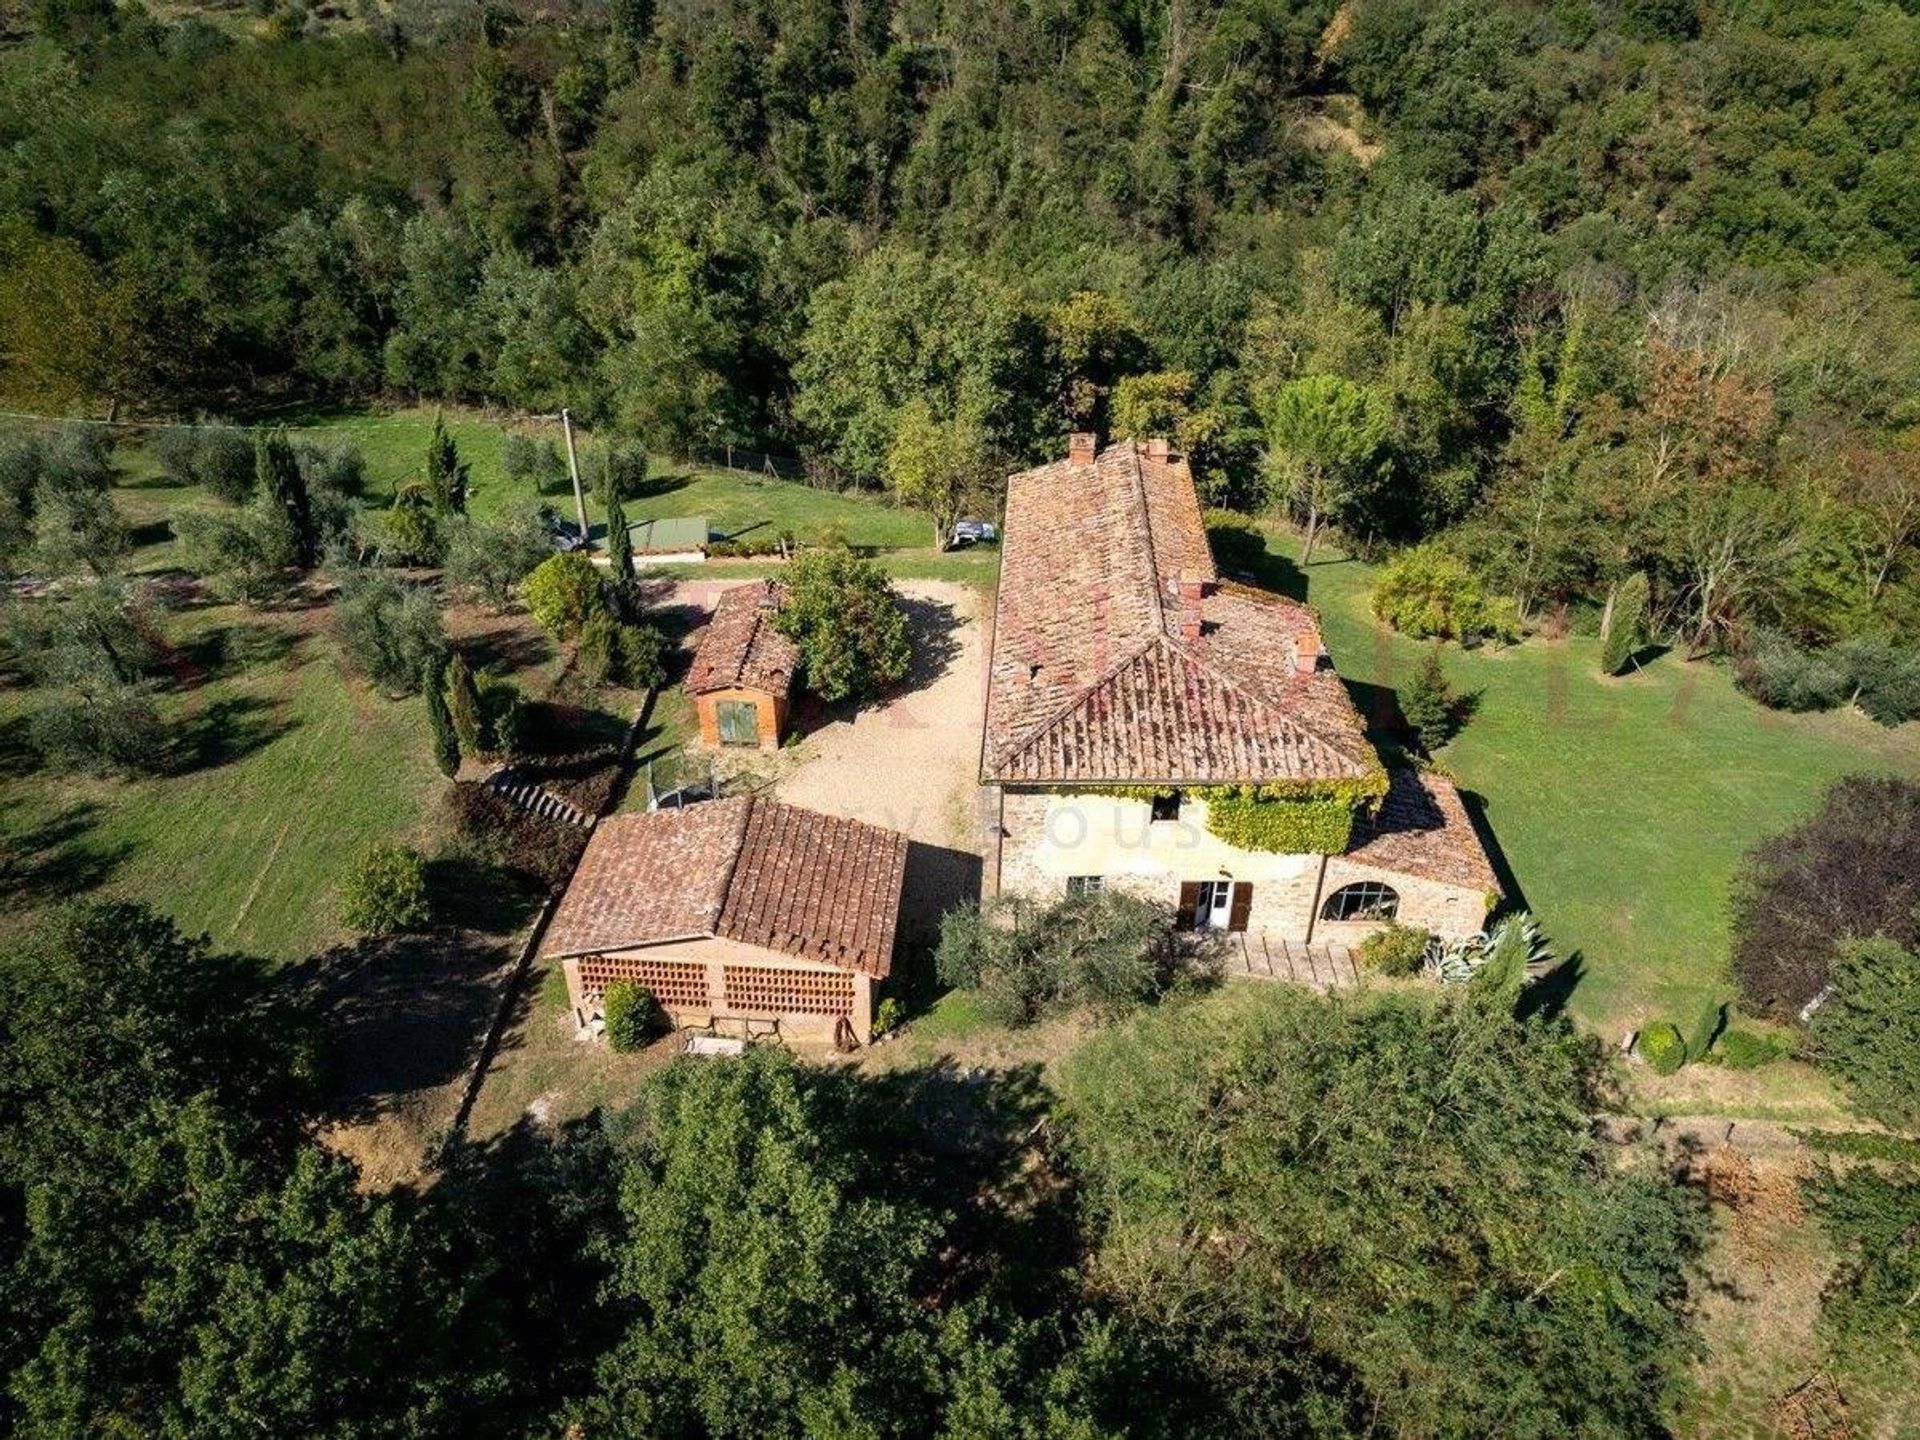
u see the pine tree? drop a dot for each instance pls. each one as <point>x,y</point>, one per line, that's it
<point>618,549</point>
<point>1626,615</point>
<point>277,470</point>
<point>463,705</point>
<point>446,743</point>
<point>446,472</point>
<point>1428,703</point>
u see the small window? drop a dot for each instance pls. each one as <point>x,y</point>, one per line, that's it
<point>1366,900</point>
<point>1086,884</point>
<point>1167,807</point>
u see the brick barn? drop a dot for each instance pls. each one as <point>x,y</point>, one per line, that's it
<point>1130,685</point>
<point>746,913</point>
<point>742,674</point>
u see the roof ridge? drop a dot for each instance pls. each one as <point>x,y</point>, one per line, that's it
<point>1213,672</point>
<point>1145,512</point>
<point>733,865</point>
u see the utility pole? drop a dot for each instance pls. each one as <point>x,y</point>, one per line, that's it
<point>573,467</point>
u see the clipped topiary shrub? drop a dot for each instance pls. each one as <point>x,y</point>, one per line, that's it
<point>634,1018</point>
<point>1662,1047</point>
<point>1396,950</point>
<point>1429,593</point>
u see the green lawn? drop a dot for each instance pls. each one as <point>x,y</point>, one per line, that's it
<point>1622,806</point>
<point>741,503</point>
<point>298,767</point>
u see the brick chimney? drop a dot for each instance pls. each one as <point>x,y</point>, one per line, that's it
<point>1157,447</point>
<point>1308,651</point>
<point>1080,447</point>
<point>1190,588</point>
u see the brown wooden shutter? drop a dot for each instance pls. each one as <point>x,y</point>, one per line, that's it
<point>1189,901</point>
<point>1242,903</point>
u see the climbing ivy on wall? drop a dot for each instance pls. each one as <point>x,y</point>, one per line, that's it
<point>1288,817</point>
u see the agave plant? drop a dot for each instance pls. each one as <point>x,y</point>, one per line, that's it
<point>1456,961</point>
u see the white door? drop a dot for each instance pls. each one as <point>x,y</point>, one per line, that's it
<point>1216,905</point>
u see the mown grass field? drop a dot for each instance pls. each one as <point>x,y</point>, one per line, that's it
<point>1622,806</point>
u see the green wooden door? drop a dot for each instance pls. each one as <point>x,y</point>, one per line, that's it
<point>739,722</point>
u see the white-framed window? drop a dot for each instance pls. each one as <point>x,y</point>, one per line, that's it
<point>1086,884</point>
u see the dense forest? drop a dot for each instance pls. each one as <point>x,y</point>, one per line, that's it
<point>1587,289</point>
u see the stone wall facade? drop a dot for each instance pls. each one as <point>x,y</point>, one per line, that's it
<point>1047,838</point>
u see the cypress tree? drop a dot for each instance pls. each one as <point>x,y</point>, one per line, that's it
<point>1626,615</point>
<point>463,705</point>
<point>446,473</point>
<point>617,547</point>
<point>446,744</point>
<point>277,470</point>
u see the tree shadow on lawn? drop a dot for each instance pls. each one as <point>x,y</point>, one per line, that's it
<point>227,730</point>
<point>221,652</point>
<point>1264,569</point>
<point>402,1015</point>
<point>55,859</point>
<point>506,648</point>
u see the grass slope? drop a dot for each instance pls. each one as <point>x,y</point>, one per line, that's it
<point>1622,805</point>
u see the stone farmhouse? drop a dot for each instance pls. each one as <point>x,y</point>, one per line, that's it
<point>1153,727</point>
<point>742,914</point>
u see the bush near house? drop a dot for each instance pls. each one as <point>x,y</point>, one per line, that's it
<point>634,1018</point>
<point>385,893</point>
<point>1394,950</point>
<point>1108,950</point>
<point>842,613</point>
<point>564,592</point>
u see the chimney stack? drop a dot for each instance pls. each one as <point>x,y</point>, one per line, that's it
<point>1307,651</point>
<point>1157,448</point>
<point>1080,447</point>
<point>1190,588</point>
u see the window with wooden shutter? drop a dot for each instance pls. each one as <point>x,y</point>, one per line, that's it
<point>1190,893</point>
<point>1242,904</point>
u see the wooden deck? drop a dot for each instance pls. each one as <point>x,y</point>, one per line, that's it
<point>1268,957</point>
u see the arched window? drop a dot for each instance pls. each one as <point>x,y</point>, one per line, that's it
<point>1365,900</point>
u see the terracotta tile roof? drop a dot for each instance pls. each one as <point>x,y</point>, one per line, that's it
<point>740,649</point>
<point>751,869</point>
<point>1422,828</point>
<point>1118,655</point>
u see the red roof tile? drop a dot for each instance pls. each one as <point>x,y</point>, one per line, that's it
<point>1102,671</point>
<point>751,869</point>
<point>740,649</point>
<point>1423,829</point>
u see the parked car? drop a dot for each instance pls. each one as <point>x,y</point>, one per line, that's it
<point>973,532</point>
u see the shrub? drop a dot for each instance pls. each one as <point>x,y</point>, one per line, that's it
<point>385,892</point>
<point>1779,674</point>
<point>564,592</point>
<point>402,535</point>
<point>111,728</point>
<point>1107,950</point>
<point>1662,1047</point>
<point>1395,950</point>
<point>392,632</point>
<point>634,1018</point>
<point>1845,873</point>
<point>1626,619</point>
<point>218,457</point>
<point>842,613</point>
<point>245,556</point>
<point>337,469</point>
<point>502,710</point>
<point>1750,1049</point>
<point>1872,1220</point>
<point>1885,677</point>
<point>613,653</point>
<point>486,560</point>
<point>1429,593</point>
<point>1867,1031</point>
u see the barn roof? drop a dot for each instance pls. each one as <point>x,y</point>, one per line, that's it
<point>751,869</point>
